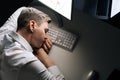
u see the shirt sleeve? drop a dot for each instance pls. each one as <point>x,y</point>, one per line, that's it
<point>9,25</point>
<point>43,73</point>
<point>17,59</point>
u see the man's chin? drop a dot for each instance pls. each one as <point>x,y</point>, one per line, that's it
<point>37,47</point>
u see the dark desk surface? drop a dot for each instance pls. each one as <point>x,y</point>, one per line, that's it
<point>98,48</point>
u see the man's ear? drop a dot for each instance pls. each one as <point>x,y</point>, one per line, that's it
<point>32,25</point>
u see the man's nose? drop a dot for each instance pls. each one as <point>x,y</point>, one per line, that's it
<point>46,30</point>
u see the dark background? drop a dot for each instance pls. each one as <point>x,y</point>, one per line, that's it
<point>8,7</point>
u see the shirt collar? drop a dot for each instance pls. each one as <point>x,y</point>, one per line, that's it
<point>21,40</point>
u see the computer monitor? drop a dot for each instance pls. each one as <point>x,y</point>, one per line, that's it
<point>63,7</point>
<point>115,7</point>
<point>107,8</point>
<point>101,9</point>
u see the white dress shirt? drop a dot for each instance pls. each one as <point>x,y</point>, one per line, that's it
<point>18,61</point>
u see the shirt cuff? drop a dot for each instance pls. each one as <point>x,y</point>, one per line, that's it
<point>54,70</point>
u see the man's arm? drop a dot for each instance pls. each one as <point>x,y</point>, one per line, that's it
<point>42,55</point>
<point>9,25</point>
<point>50,70</point>
<point>44,58</point>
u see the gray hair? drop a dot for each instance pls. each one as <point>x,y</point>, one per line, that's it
<point>31,13</point>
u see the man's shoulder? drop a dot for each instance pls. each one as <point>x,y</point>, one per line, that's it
<point>9,42</point>
<point>4,39</point>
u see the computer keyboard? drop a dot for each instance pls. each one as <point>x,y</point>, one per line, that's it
<point>62,37</point>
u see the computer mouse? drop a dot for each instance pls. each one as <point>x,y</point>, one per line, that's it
<point>93,75</point>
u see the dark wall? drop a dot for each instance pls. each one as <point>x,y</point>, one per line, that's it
<point>8,7</point>
<point>89,7</point>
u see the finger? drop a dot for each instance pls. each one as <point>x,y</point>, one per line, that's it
<point>48,45</point>
<point>45,48</point>
<point>49,38</point>
<point>49,42</point>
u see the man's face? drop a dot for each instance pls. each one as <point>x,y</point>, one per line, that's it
<point>38,35</point>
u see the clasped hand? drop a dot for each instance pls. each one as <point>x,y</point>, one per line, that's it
<point>47,44</point>
<point>45,48</point>
<point>42,53</point>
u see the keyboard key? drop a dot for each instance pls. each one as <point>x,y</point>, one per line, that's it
<point>62,37</point>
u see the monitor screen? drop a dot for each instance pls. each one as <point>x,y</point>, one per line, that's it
<point>115,8</point>
<point>63,7</point>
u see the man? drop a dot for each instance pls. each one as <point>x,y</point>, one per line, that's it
<point>24,47</point>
